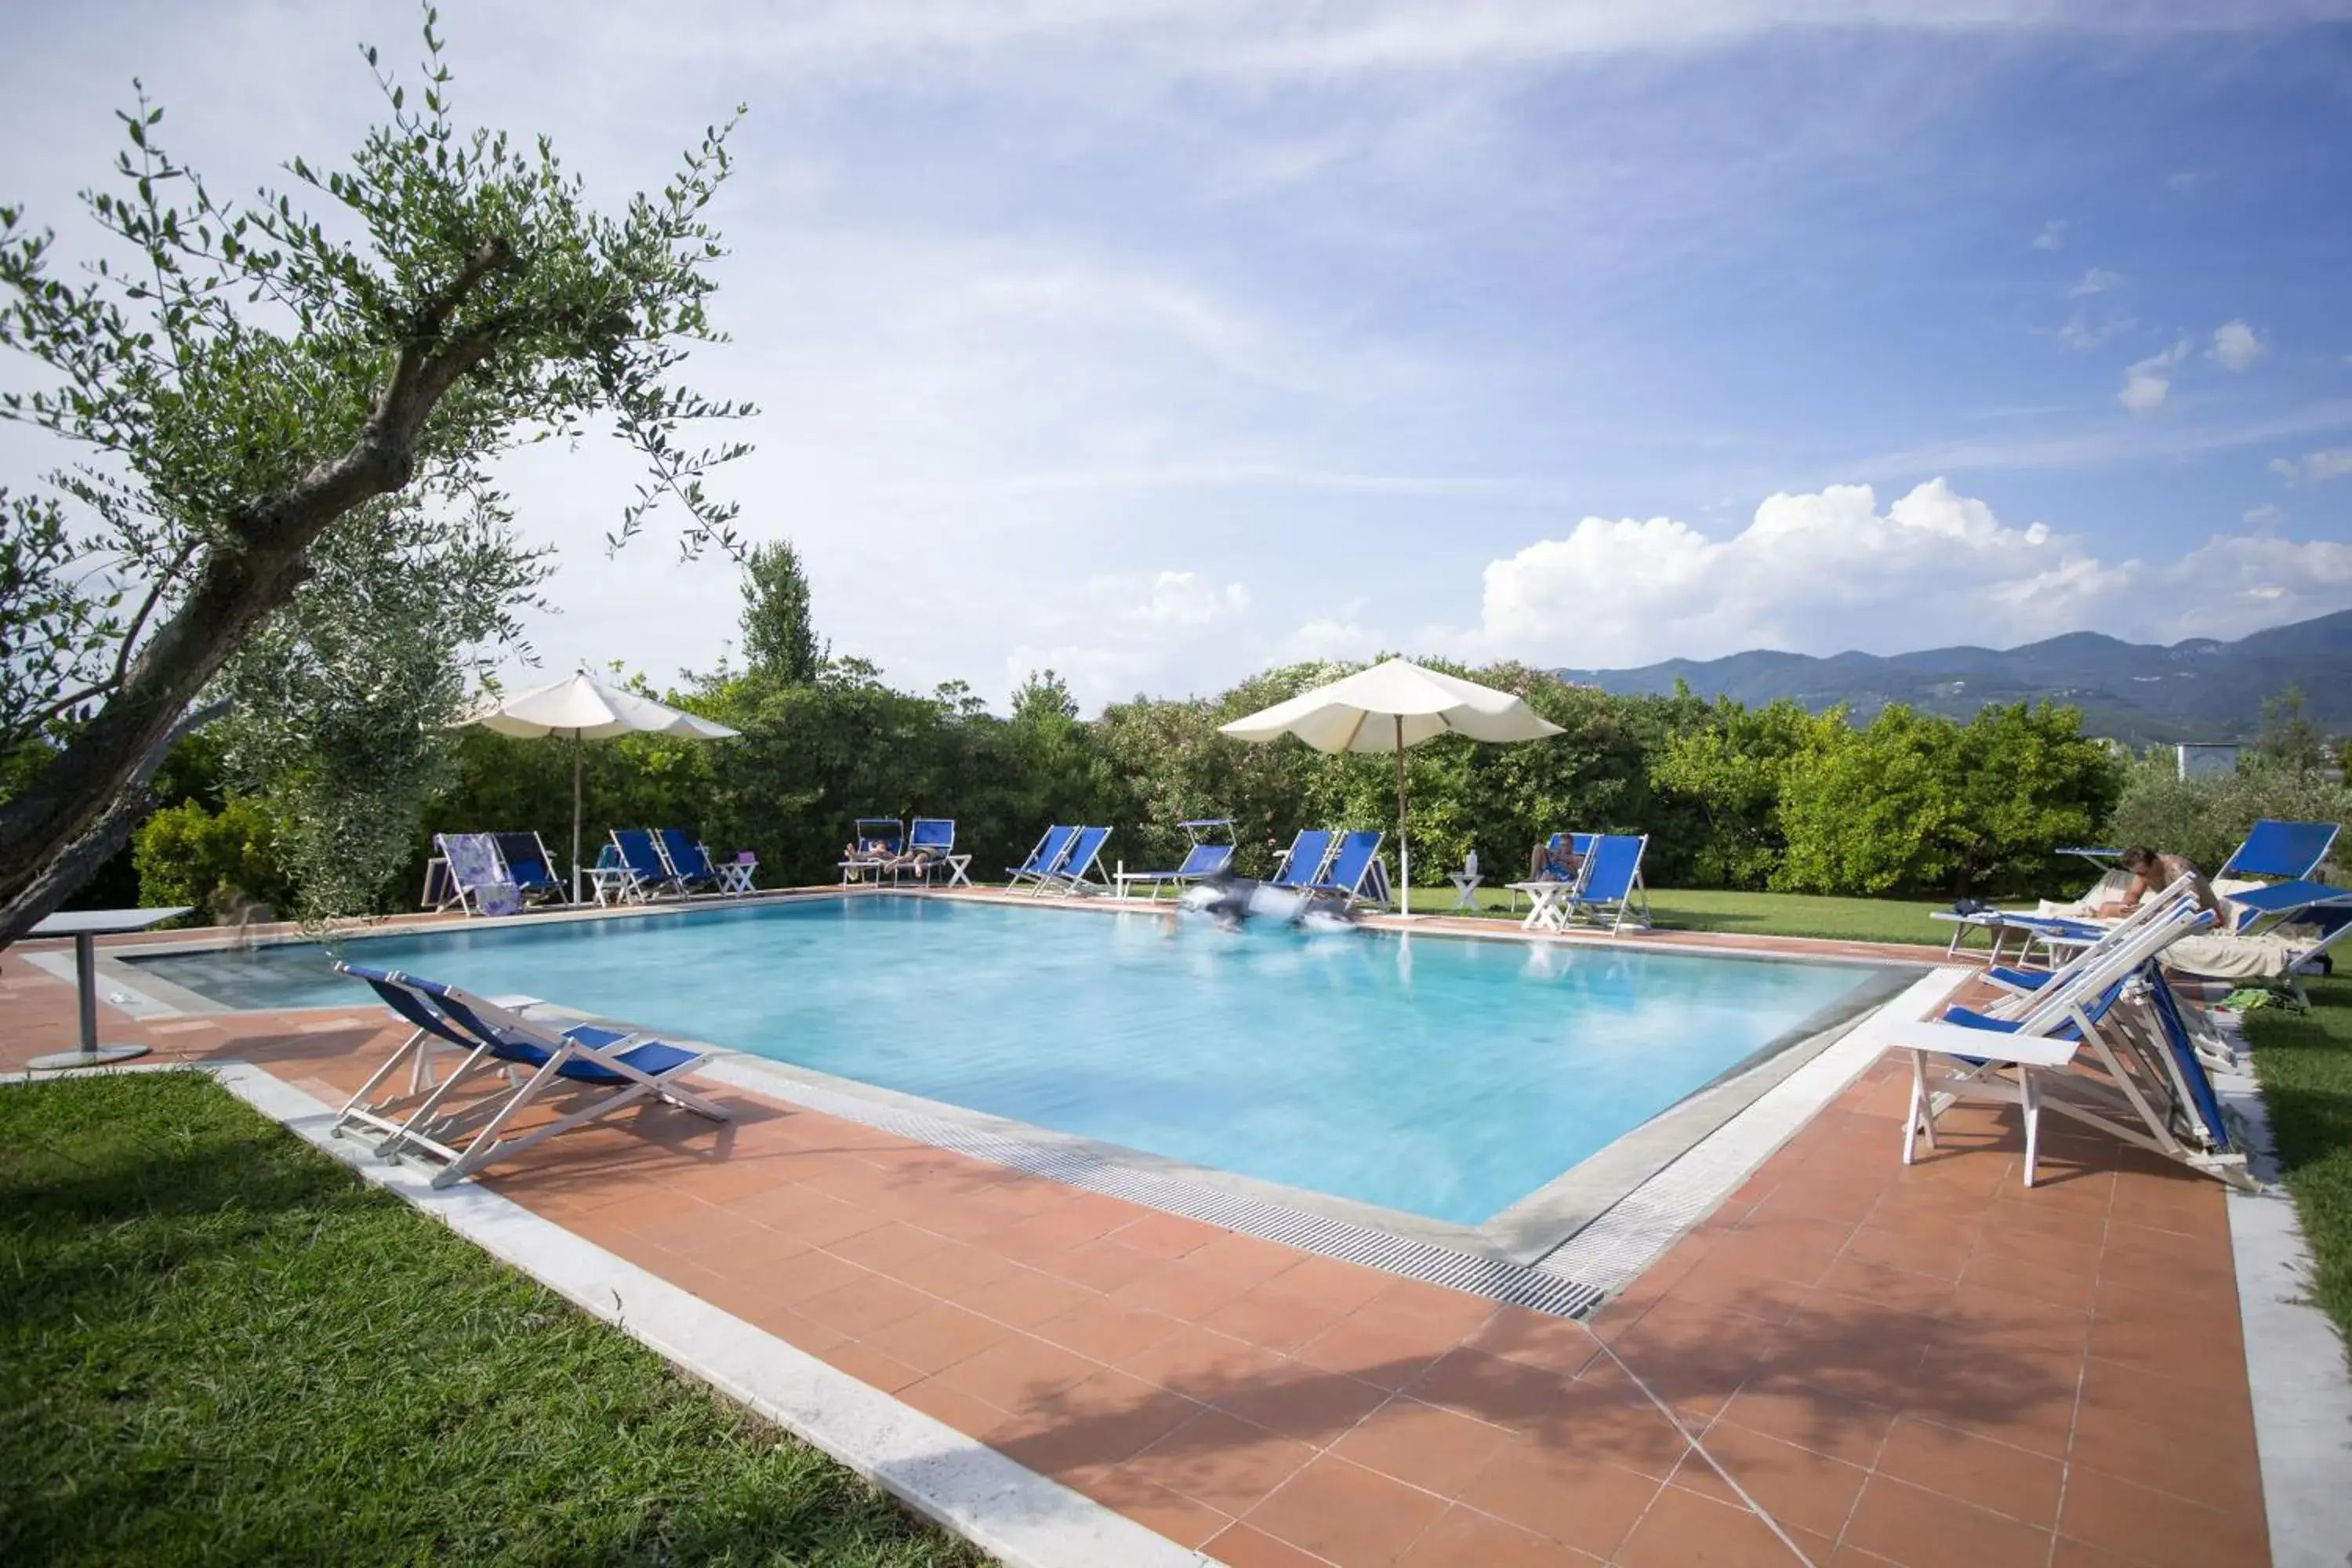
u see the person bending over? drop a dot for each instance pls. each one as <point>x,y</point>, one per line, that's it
<point>2152,873</point>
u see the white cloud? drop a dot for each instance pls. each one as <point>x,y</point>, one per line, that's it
<point>1326,638</point>
<point>1184,599</point>
<point>2147,381</point>
<point>2264,516</point>
<point>2082,333</point>
<point>2052,236</point>
<point>2235,345</point>
<point>2331,463</point>
<point>2097,280</point>
<point>1827,570</point>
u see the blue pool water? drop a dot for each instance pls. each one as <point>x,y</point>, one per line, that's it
<point>1441,1077</point>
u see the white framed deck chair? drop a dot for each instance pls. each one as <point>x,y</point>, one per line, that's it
<point>2147,1088</point>
<point>649,874</point>
<point>874,843</point>
<point>1045,857</point>
<point>1209,854</point>
<point>479,883</point>
<point>1567,860</point>
<point>1354,874</point>
<point>1611,890</point>
<point>1080,871</point>
<point>2283,851</point>
<point>2164,905</point>
<point>617,1069</point>
<point>1303,862</point>
<point>530,867</point>
<point>2294,924</point>
<point>689,861</point>
<point>933,840</point>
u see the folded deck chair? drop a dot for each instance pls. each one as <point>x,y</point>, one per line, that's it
<point>620,1068</point>
<point>530,867</point>
<point>934,838</point>
<point>2163,905</point>
<point>2148,1086</point>
<point>1355,863</point>
<point>1611,890</point>
<point>1052,848</point>
<point>689,861</point>
<point>1567,862</point>
<point>874,842</point>
<point>479,883</point>
<point>1303,862</point>
<point>2288,851</point>
<point>1081,869</point>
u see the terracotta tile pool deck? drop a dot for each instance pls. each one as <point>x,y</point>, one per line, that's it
<point>1927,1366</point>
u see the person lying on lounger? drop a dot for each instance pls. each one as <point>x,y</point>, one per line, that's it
<point>920,860</point>
<point>1553,862</point>
<point>2150,873</point>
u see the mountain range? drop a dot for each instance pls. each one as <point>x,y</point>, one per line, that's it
<point>2201,690</point>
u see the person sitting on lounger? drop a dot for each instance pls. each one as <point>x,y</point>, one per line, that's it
<point>2152,872</point>
<point>1555,860</point>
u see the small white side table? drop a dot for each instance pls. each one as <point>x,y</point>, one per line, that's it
<point>85,926</point>
<point>735,876</point>
<point>1466,889</point>
<point>958,867</point>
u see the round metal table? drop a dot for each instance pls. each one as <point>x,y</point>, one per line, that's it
<point>85,926</point>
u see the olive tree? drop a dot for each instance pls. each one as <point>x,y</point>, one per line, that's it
<point>242,378</point>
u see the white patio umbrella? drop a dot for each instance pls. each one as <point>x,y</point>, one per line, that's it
<point>585,709</point>
<point>1395,705</point>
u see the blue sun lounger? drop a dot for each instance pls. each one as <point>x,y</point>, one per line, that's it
<point>647,875</point>
<point>1207,858</point>
<point>1611,888</point>
<point>2289,851</point>
<point>530,867</point>
<point>934,837</point>
<point>689,862</point>
<point>1081,869</point>
<point>1052,848</point>
<point>1303,862</point>
<point>623,1066</point>
<point>1355,865</point>
<point>1565,861</point>
<point>874,842</point>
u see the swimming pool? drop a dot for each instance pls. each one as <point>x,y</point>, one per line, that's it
<point>1441,1077</point>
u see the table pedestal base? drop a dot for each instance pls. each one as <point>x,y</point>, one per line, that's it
<point>96,1056</point>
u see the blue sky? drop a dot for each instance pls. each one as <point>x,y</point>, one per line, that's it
<point>1156,343</point>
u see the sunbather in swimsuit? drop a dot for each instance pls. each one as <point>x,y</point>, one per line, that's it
<point>2152,872</point>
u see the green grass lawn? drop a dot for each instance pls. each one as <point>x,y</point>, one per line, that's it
<point>2304,1062</point>
<point>218,1346</point>
<point>1755,914</point>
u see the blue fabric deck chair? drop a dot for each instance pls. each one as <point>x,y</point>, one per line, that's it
<point>1567,862</point>
<point>874,843</point>
<point>1611,888</point>
<point>689,862</point>
<point>1052,848</point>
<point>1081,869</point>
<point>1355,865</point>
<point>619,1068</point>
<point>1208,855</point>
<point>2142,1082</point>
<point>2288,851</point>
<point>530,867</point>
<point>1303,862</point>
<point>2309,918</point>
<point>933,840</point>
<point>649,874</point>
<point>479,883</point>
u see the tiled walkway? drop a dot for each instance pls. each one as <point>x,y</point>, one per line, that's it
<point>1927,1366</point>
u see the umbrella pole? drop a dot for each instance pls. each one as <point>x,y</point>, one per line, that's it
<point>1404,847</point>
<point>575,816</point>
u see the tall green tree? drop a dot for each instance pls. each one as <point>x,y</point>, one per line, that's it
<point>239,380</point>
<point>779,638</point>
<point>2288,739</point>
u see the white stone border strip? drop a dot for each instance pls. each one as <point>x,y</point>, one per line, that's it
<point>1613,1250</point>
<point>2294,1360</point>
<point>1017,1516</point>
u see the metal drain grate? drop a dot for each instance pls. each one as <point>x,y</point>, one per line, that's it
<point>1495,1280</point>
